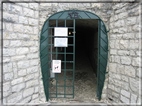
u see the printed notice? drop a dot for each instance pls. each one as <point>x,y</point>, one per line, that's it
<point>60,42</point>
<point>56,66</point>
<point>60,31</point>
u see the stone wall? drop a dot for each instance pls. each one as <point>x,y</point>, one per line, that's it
<point>125,50</point>
<point>20,53</point>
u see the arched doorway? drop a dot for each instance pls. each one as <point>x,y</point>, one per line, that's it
<point>71,25</point>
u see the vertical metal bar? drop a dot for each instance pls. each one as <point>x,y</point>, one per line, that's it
<point>98,63</point>
<point>65,69</point>
<point>48,66</point>
<point>73,54</point>
<point>56,59</point>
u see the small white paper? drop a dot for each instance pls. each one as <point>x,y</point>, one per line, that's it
<point>60,31</point>
<point>56,66</point>
<point>60,42</point>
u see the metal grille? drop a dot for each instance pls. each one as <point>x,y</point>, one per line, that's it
<point>62,84</point>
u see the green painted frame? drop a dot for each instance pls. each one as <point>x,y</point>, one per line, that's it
<point>102,47</point>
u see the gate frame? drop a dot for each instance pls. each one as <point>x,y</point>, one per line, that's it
<point>44,42</point>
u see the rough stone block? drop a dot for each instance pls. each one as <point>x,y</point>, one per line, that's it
<point>34,62</point>
<point>28,92</point>
<point>33,49</point>
<point>9,52</point>
<point>8,76</point>
<point>119,23</point>
<point>136,61</point>
<point>26,100</point>
<point>139,73</point>
<point>14,98</point>
<point>36,14</point>
<point>125,93</point>
<point>133,98</point>
<point>17,81</point>
<point>28,12</point>
<point>130,71</point>
<point>36,89</point>
<point>28,29</point>
<point>124,99</point>
<point>29,77</point>
<point>9,26</point>
<point>122,30</point>
<point>23,37</point>
<point>32,70</point>
<point>22,72</point>
<point>6,43</point>
<point>123,52</point>
<point>22,50</point>
<point>122,15</point>
<point>23,64</point>
<point>23,20</point>
<point>14,8</point>
<point>18,87</point>
<point>113,51</point>
<point>6,86</point>
<point>124,78</point>
<point>35,96</point>
<point>7,67</point>
<point>124,44</point>
<point>33,21</point>
<point>112,67</point>
<point>126,60</point>
<point>134,85</point>
<point>32,56</point>
<point>11,18</point>
<point>16,58</point>
<point>15,43</point>
<point>33,6</point>
<point>32,83</point>
<point>18,28</point>
<point>134,44</point>
<point>131,20</point>
<point>129,35</point>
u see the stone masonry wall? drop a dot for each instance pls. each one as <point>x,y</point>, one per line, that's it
<point>103,10</point>
<point>20,53</point>
<point>125,50</point>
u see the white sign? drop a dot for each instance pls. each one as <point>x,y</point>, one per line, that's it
<point>60,42</point>
<point>60,31</point>
<point>56,66</point>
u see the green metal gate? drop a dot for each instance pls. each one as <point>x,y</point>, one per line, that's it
<point>58,85</point>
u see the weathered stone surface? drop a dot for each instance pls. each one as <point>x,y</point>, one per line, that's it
<point>32,56</point>
<point>23,20</point>
<point>7,67</point>
<point>123,52</point>
<point>134,44</point>
<point>129,35</point>
<point>124,99</point>
<point>126,60</point>
<point>133,98</point>
<point>22,50</point>
<point>35,96</point>
<point>14,8</point>
<point>32,70</point>
<point>125,93</point>
<point>29,77</point>
<point>120,69</point>
<point>16,58</point>
<point>15,97</point>
<point>18,87</point>
<point>136,61</point>
<point>9,52</point>
<point>8,76</point>
<point>36,89</point>
<point>18,28</point>
<point>28,12</point>
<point>17,81</point>
<point>112,67</point>
<point>28,29</point>
<point>134,85</point>
<point>22,72</point>
<point>33,21</point>
<point>32,83</point>
<point>124,44</point>
<point>119,23</point>
<point>23,64</point>
<point>124,78</point>
<point>11,18</point>
<point>34,6</point>
<point>131,20</point>
<point>113,51</point>
<point>9,26</point>
<point>28,92</point>
<point>26,100</point>
<point>130,71</point>
<point>6,86</point>
<point>15,43</point>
